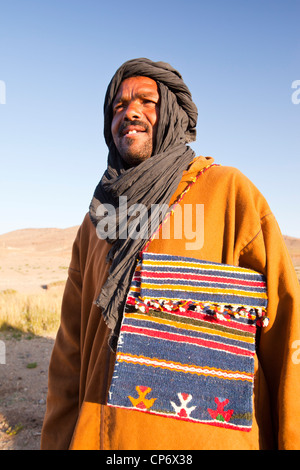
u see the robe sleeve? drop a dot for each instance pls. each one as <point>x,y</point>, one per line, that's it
<point>64,370</point>
<point>279,343</point>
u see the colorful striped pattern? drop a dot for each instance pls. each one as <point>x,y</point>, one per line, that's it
<point>183,351</point>
<point>168,277</point>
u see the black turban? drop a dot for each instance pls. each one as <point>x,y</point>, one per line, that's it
<point>153,181</point>
<point>165,76</point>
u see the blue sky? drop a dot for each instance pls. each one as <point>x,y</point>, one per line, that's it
<point>239,59</point>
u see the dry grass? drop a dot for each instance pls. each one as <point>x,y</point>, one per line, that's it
<point>37,314</point>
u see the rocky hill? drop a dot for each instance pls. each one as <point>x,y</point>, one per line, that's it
<point>35,258</point>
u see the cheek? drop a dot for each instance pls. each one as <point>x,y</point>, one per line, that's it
<point>114,126</point>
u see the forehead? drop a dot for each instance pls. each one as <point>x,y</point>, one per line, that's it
<point>136,86</point>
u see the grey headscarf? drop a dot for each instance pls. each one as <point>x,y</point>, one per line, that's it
<point>153,181</point>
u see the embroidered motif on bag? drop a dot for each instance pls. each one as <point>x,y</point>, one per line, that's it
<point>187,341</point>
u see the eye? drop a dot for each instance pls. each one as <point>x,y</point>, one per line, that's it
<point>149,102</point>
<point>118,107</point>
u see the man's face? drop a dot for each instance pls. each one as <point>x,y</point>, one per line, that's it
<point>135,119</point>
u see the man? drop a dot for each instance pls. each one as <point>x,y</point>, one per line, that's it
<point>166,342</point>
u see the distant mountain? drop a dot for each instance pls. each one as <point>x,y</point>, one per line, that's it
<point>35,258</point>
<point>39,239</point>
<point>32,258</point>
<point>293,246</point>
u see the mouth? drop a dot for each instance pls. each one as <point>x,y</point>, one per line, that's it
<point>131,132</point>
<point>132,129</point>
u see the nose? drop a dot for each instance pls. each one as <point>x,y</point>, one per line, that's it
<point>133,110</point>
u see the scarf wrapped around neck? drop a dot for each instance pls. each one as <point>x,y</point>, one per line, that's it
<point>153,181</point>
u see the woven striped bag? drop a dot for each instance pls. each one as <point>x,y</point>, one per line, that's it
<point>187,341</point>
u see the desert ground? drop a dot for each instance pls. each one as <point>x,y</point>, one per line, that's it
<point>34,262</point>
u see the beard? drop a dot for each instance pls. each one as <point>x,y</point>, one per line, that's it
<point>135,154</point>
<point>134,150</point>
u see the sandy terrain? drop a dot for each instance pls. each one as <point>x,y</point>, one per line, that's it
<point>29,260</point>
<point>23,391</point>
